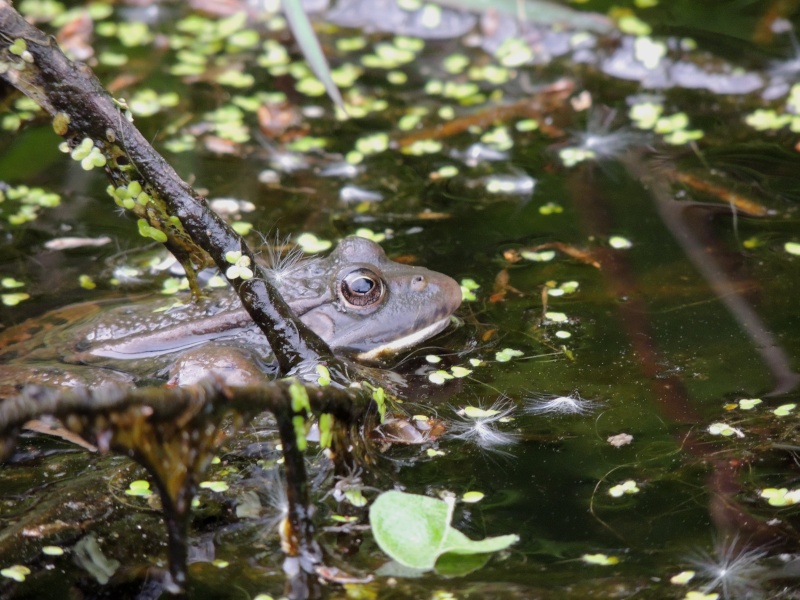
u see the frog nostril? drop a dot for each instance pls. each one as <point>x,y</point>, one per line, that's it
<point>418,283</point>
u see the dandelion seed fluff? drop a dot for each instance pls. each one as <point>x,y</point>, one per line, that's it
<point>572,404</point>
<point>483,431</point>
<point>732,570</point>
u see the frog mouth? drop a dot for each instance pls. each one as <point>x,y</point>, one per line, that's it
<point>412,339</point>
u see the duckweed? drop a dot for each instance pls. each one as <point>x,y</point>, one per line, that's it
<point>372,144</point>
<point>214,486</point>
<point>749,403</point>
<point>14,299</point>
<point>472,497</point>
<point>173,285</point>
<point>455,63</point>
<point>627,487</point>
<point>551,208</point>
<point>88,155</point>
<point>468,287</point>
<point>633,25</point>
<point>514,52</point>
<point>366,233</point>
<point>148,231</point>
<point>41,10</point>
<point>10,283</point>
<point>421,147</point>
<point>439,377</point>
<point>240,265</point>
<point>780,497</point>
<point>695,595</point>
<point>86,282</point>
<point>535,256</point>
<point>140,488</point>
<point>600,559</point>
<point>21,204</point>
<point>682,578</point>
<point>619,243</point>
<point>724,430</point>
<point>16,572</point>
<point>460,371</point>
<point>792,248</point>
<point>312,244</point>
<point>506,354</point>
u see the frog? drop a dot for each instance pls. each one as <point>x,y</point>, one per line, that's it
<point>359,301</point>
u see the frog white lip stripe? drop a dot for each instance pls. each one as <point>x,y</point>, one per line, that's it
<point>405,342</point>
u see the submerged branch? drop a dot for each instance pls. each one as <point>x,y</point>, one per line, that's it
<point>168,404</point>
<point>174,434</point>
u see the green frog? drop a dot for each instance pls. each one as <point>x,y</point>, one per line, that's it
<point>357,300</point>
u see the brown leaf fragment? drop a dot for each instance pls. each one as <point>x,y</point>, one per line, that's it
<point>56,430</point>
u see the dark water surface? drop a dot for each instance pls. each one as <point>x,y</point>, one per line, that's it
<point>678,264</point>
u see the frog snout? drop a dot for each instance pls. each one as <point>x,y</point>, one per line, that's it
<point>451,293</point>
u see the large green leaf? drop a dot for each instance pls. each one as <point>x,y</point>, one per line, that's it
<point>415,530</point>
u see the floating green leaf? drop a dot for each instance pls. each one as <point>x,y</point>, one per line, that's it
<point>16,572</point>
<point>415,530</point>
<point>472,497</point>
<point>600,559</point>
<point>682,578</point>
<point>11,283</point>
<point>460,371</point>
<point>749,403</point>
<point>311,243</point>
<point>628,487</point>
<point>792,248</point>
<point>214,486</point>
<point>14,299</point>
<point>506,354</point>
<point>140,487</point>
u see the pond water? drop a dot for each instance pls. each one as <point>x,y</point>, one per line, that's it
<point>623,194</point>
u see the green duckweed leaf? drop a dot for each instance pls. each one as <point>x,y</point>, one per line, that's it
<point>214,486</point>
<point>16,572</point>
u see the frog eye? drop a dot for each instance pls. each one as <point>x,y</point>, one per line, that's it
<point>361,287</point>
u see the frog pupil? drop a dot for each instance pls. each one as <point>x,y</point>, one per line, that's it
<point>362,285</point>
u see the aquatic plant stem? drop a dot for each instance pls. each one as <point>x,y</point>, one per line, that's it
<point>302,551</point>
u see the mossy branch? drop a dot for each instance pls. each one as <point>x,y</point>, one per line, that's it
<point>32,62</point>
